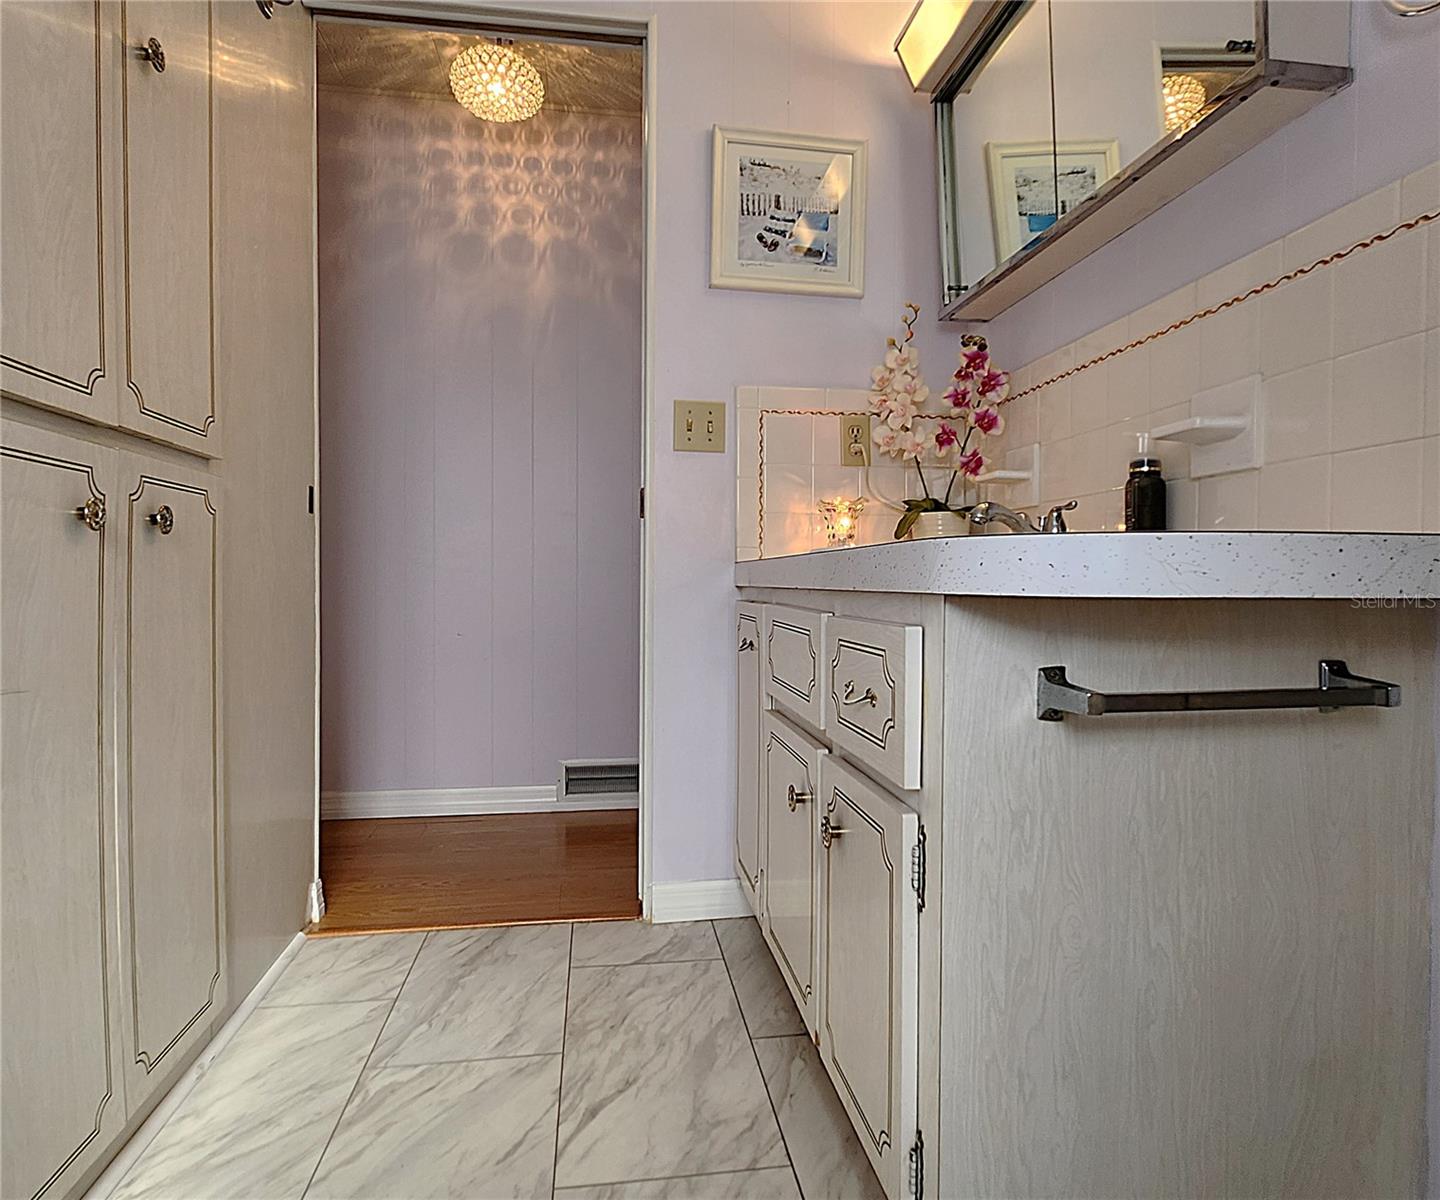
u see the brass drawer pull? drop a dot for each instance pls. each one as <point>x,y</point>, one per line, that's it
<point>163,518</point>
<point>869,697</point>
<point>92,514</point>
<point>829,832</point>
<point>794,799</point>
<point>153,53</point>
<point>746,644</point>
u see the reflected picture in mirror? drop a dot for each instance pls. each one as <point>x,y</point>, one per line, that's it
<point>1033,184</point>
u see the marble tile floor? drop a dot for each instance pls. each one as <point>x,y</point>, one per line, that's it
<point>594,1061</point>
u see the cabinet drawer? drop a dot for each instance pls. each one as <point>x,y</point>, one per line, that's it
<point>791,771</point>
<point>869,956</point>
<point>872,695</point>
<point>793,641</point>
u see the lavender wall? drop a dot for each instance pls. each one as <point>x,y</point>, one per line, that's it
<point>1385,125</point>
<point>480,407</point>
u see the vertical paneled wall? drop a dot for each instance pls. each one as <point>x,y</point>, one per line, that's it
<point>480,406</point>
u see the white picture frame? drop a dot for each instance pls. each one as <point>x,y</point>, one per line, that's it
<point>1018,170</point>
<point>788,213</point>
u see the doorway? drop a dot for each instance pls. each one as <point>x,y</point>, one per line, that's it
<point>481,340</point>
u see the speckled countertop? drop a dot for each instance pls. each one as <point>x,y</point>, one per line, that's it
<point>1238,566</point>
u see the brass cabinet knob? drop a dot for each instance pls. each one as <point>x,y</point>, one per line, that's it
<point>794,799</point>
<point>153,53</point>
<point>829,832</point>
<point>92,514</point>
<point>163,518</point>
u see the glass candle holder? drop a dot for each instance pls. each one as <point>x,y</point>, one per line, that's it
<point>842,520</point>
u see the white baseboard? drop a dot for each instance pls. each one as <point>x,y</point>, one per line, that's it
<point>460,802</point>
<point>698,900</point>
<point>151,1126</point>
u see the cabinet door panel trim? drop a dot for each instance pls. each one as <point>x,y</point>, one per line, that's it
<point>97,372</point>
<point>772,739</point>
<point>203,429</point>
<point>881,739</point>
<point>144,1058</point>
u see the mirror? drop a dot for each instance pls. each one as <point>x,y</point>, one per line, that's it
<point>1055,107</point>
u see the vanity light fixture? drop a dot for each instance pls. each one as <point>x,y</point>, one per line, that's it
<point>496,82</point>
<point>1184,97</point>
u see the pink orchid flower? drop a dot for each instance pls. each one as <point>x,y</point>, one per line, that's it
<point>975,362</point>
<point>994,385</point>
<point>959,396</point>
<point>971,463</point>
<point>988,421</point>
<point>945,439</point>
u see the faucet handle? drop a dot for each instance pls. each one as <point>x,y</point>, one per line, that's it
<point>1054,520</point>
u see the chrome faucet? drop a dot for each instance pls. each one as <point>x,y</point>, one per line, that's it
<point>987,512</point>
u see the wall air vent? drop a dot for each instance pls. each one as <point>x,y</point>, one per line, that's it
<point>615,779</point>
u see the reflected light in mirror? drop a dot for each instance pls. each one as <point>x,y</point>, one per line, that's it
<point>933,36</point>
<point>1184,97</point>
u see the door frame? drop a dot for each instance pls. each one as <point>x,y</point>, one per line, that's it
<point>563,20</point>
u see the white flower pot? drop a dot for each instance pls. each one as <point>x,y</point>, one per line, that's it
<point>939,524</point>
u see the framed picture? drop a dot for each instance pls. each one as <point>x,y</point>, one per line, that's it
<point>788,213</point>
<point>1030,190</point>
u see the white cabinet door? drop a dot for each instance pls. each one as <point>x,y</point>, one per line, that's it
<point>792,779</point>
<point>165,154</point>
<point>749,620</point>
<point>869,960</point>
<point>58,102</point>
<point>873,695</point>
<point>62,1079</point>
<point>171,819</point>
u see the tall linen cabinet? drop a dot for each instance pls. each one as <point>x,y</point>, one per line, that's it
<point>135,302</point>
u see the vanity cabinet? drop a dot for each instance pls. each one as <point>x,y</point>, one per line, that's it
<point>58,558</point>
<point>791,765</point>
<point>840,853</point>
<point>1198,933</point>
<point>108,290</point>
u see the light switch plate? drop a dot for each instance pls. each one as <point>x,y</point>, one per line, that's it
<point>700,425</point>
<point>855,440</point>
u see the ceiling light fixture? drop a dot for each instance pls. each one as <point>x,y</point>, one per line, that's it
<point>496,83</point>
<point>1184,97</point>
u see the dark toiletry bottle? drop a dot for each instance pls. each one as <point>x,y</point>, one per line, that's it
<point>1144,491</point>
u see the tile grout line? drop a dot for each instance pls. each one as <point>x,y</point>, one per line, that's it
<point>564,1037</point>
<point>379,1033</point>
<point>764,1083</point>
<point>609,1183</point>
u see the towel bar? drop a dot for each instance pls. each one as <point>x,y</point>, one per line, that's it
<point>1055,696</point>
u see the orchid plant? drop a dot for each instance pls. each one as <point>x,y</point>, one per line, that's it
<point>898,396</point>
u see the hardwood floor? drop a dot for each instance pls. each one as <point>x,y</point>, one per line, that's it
<point>450,872</point>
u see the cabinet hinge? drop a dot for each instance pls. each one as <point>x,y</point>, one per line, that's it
<point>917,1166</point>
<point>917,870</point>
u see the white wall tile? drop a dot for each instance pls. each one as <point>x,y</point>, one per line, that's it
<point>1297,413</point>
<point>1432,278</point>
<point>1432,381</point>
<point>1229,345</point>
<point>826,448</point>
<point>1344,227</point>
<point>1420,191</point>
<point>1174,456</point>
<point>1229,501</point>
<point>1295,323</point>
<point>1295,494</point>
<point>1379,395</point>
<point>1430,485</point>
<point>1053,416</point>
<point>1175,367</point>
<point>747,397</point>
<point>747,510</point>
<point>1022,421</point>
<point>1380,294</point>
<point>847,399</point>
<point>1155,316</point>
<point>830,482</point>
<point>747,441</point>
<point>1239,276</point>
<point>1129,389</point>
<point>1089,398</point>
<point>789,440</point>
<point>1377,490</point>
<point>791,397</point>
<point>789,489</point>
<point>1182,499</point>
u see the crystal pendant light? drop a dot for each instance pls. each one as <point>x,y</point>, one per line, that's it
<point>1184,97</point>
<point>496,83</point>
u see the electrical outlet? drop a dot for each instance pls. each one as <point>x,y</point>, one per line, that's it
<point>855,440</point>
<point>699,426</point>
